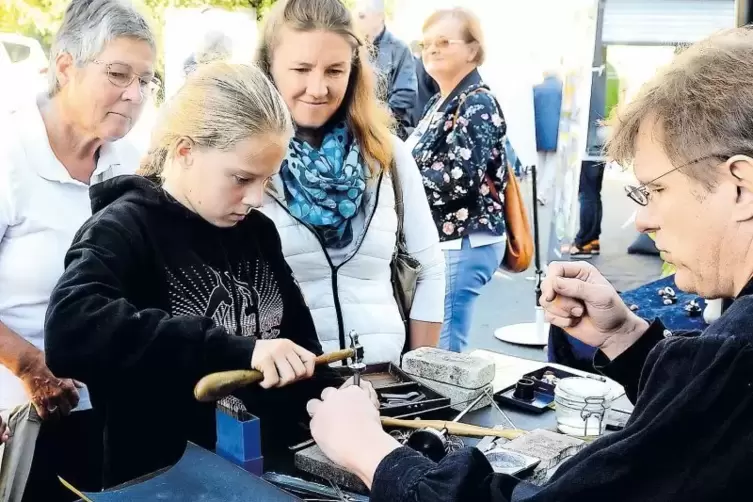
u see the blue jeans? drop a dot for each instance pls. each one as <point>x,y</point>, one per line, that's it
<point>467,270</point>
<point>589,195</point>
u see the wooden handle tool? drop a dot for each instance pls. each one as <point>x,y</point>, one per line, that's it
<point>218,385</point>
<point>454,428</point>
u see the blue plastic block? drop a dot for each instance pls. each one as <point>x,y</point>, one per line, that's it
<point>241,441</point>
<point>254,466</point>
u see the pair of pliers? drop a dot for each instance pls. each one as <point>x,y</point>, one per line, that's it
<point>341,497</point>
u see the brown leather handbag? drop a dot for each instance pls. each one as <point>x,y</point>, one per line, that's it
<point>519,251</point>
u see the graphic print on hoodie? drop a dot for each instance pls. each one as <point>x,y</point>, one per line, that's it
<point>204,291</point>
<point>151,300</point>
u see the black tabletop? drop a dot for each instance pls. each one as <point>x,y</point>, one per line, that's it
<point>491,417</point>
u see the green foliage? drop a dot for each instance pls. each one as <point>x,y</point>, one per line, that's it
<point>40,19</point>
<point>33,18</point>
<point>261,7</point>
<point>389,6</point>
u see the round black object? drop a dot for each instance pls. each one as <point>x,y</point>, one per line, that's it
<point>428,442</point>
<point>524,390</point>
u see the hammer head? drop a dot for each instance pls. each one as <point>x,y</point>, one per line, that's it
<point>357,348</point>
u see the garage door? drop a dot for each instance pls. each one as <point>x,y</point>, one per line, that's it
<point>664,22</point>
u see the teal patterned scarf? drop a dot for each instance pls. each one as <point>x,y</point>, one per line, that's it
<point>324,187</point>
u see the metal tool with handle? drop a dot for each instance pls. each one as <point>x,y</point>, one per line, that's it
<point>454,428</point>
<point>357,365</point>
<point>469,408</point>
<point>218,385</point>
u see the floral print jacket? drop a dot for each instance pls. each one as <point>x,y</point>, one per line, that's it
<point>459,158</point>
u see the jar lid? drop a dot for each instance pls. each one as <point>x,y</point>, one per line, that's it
<point>581,388</point>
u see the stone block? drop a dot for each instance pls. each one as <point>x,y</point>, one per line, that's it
<point>313,461</point>
<point>460,397</point>
<point>461,370</point>
<point>552,448</point>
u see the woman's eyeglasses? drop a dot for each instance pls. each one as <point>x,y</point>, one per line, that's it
<point>439,43</point>
<point>641,195</point>
<point>122,75</point>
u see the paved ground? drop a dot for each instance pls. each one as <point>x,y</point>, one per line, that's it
<point>509,299</point>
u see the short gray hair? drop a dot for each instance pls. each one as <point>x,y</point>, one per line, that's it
<point>89,25</point>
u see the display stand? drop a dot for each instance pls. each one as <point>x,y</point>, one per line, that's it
<point>530,333</point>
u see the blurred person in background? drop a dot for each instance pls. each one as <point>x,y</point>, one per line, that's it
<point>215,46</point>
<point>334,200</point>
<point>394,63</point>
<point>586,243</point>
<point>547,106</point>
<point>427,86</point>
<point>459,147</point>
<point>101,73</point>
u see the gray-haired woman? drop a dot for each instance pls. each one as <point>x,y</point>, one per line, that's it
<point>101,72</point>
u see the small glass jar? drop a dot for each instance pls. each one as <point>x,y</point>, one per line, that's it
<point>581,406</point>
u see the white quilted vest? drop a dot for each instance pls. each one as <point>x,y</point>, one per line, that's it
<point>356,293</point>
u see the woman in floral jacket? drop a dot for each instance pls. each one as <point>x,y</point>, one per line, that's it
<point>459,149</point>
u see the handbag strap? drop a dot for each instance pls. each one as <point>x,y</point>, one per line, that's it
<point>493,189</point>
<point>489,181</point>
<point>397,187</point>
<point>462,101</point>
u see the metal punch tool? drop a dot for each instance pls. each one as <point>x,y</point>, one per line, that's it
<point>357,365</point>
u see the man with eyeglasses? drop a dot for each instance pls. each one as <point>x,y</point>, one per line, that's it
<point>689,138</point>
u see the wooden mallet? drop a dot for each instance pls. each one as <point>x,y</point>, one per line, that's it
<point>215,386</point>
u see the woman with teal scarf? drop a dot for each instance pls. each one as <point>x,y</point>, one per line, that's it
<point>334,201</point>
<point>324,186</point>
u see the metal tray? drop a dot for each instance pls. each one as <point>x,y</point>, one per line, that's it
<point>542,391</point>
<point>388,378</point>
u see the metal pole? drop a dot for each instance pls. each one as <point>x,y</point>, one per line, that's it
<point>743,12</point>
<point>536,250</point>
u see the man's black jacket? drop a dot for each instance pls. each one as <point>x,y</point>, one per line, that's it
<point>690,437</point>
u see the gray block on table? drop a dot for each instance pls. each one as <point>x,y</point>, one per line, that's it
<point>461,370</point>
<point>313,461</point>
<point>463,397</point>
<point>551,447</point>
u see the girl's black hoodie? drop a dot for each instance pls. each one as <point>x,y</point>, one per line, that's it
<point>153,297</point>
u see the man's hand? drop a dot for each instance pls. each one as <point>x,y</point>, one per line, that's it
<point>4,431</point>
<point>367,387</point>
<point>578,299</point>
<point>281,362</point>
<point>346,426</point>
<point>51,396</point>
